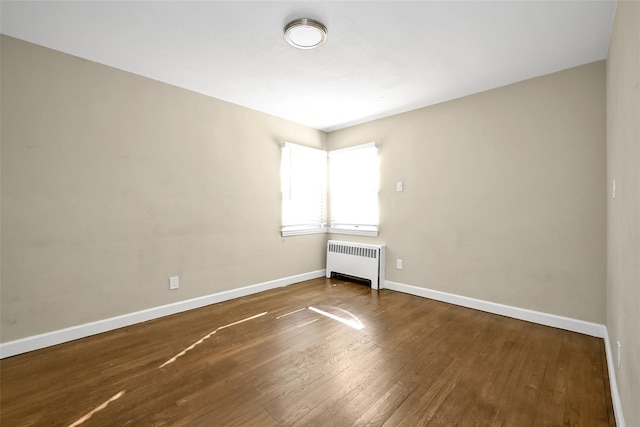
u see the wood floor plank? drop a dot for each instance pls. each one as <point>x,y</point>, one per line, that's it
<point>270,360</point>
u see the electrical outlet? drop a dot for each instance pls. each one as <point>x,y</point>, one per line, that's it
<point>174,282</point>
<point>398,264</point>
<point>618,355</point>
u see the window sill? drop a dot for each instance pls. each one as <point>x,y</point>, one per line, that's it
<point>352,232</point>
<point>303,232</point>
<point>369,233</point>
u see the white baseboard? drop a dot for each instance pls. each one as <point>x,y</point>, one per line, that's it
<point>35,342</point>
<point>615,396</point>
<point>566,323</point>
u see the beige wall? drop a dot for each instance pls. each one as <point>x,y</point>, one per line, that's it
<point>504,193</point>
<point>112,182</point>
<point>623,158</point>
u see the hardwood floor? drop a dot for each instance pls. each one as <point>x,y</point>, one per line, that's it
<point>270,360</point>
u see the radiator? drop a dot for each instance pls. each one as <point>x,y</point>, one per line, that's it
<point>357,260</point>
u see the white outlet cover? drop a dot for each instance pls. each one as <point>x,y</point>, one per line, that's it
<point>174,282</point>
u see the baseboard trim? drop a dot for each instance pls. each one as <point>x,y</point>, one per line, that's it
<point>35,342</point>
<point>567,323</point>
<point>615,396</point>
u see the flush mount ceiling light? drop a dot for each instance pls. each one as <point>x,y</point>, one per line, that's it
<point>305,33</point>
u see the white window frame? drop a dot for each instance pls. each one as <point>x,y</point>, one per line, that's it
<point>318,189</point>
<point>293,223</point>
<point>359,229</point>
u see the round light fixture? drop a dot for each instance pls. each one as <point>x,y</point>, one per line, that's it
<point>305,33</point>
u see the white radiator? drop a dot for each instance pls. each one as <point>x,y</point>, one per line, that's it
<point>357,260</point>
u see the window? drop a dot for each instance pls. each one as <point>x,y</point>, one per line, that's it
<point>354,182</point>
<point>304,190</point>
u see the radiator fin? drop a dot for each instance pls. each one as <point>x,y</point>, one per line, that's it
<point>353,250</point>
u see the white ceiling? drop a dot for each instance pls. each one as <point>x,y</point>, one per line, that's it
<point>380,58</point>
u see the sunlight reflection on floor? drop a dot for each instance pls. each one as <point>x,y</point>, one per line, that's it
<point>353,321</point>
<point>97,409</point>
<point>345,317</point>
<point>201,340</point>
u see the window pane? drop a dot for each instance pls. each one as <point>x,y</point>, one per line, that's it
<point>354,181</point>
<point>303,177</point>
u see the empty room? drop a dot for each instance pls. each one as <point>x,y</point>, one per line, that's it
<point>320,213</point>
